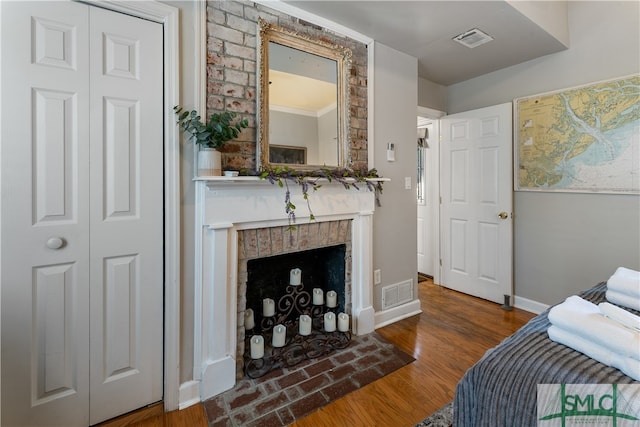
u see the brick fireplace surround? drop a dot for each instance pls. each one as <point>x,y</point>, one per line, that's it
<point>267,242</point>
<point>249,207</point>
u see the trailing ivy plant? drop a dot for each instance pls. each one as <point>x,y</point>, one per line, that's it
<point>311,180</point>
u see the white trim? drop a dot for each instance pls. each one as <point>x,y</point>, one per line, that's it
<point>199,66</point>
<point>168,17</point>
<point>430,113</point>
<point>218,325</point>
<point>370,105</point>
<point>200,97</point>
<point>435,203</point>
<point>387,317</point>
<point>0,227</point>
<point>363,313</point>
<point>315,19</point>
<point>529,305</point>
<point>198,277</point>
<point>189,394</point>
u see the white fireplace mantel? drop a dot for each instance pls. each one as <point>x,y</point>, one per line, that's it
<point>226,205</point>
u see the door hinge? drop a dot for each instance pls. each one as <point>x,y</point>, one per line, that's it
<point>441,263</point>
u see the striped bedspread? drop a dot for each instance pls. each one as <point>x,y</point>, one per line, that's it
<point>500,389</point>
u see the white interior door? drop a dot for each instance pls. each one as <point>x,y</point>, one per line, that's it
<point>81,174</point>
<point>476,191</point>
<point>126,243</point>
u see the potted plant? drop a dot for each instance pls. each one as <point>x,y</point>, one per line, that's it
<point>210,136</point>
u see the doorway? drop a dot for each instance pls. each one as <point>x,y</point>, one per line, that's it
<point>428,191</point>
<point>424,197</point>
<point>472,202</point>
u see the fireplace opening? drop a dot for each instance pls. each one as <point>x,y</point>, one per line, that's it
<point>295,308</point>
<point>322,268</point>
<point>320,250</point>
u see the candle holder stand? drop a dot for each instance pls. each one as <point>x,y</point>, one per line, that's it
<point>297,347</point>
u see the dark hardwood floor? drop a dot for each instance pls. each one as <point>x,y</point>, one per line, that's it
<point>452,333</point>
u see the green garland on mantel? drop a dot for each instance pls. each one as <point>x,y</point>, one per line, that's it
<point>312,179</point>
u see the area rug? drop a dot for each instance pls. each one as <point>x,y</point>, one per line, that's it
<point>443,417</point>
<point>285,395</point>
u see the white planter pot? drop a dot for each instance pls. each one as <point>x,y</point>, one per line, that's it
<point>209,162</point>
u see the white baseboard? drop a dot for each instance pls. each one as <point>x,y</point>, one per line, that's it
<point>392,315</point>
<point>529,305</point>
<point>189,394</point>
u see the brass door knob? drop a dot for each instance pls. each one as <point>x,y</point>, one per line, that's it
<point>503,215</point>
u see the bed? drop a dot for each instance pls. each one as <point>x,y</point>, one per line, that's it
<point>500,389</point>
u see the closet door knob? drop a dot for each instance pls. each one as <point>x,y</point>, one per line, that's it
<point>55,242</point>
<point>503,215</point>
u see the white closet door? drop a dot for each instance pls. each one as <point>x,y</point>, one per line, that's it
<point>45,171</point>
<point>70,184</point>
<point>126,213</point>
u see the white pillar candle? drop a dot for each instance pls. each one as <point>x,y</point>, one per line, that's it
<point>343,322</point>
<point>279,336</point>
<point>318,296</point>
<point>329,322</point>
<point>257,347</point>
<point>295,277</point>
<point>249,321</point>
<point>332,299</point>
<point>268,307</point>
<point>304,327</point>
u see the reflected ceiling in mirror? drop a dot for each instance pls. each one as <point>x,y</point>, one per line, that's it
<point>303,100</point>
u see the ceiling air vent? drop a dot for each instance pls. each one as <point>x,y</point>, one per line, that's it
<point>473,38</point>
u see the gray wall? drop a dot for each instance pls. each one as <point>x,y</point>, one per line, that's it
<point>565,242</point>
<point>432,95</point>
<point>394,120</point>
<point>295,130</point>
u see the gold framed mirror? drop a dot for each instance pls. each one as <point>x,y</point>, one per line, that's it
<point>303,100</point>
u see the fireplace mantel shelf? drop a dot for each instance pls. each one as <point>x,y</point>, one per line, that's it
<point>255,179</point>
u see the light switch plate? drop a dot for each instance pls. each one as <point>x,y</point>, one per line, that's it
<point>407,183</point>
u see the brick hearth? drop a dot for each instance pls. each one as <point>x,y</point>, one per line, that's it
<point>285,395</point>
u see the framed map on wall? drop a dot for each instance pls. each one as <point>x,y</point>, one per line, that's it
<point>584,139</point>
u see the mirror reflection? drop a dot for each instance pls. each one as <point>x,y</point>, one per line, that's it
<point>303,108</point>
<point>303,101</point>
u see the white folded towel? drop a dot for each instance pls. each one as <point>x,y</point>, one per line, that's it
<point>620,315</point>
<point>626,281</point>
<point>624,300</point>
<point>627,365</point>
<point>584,319</point>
